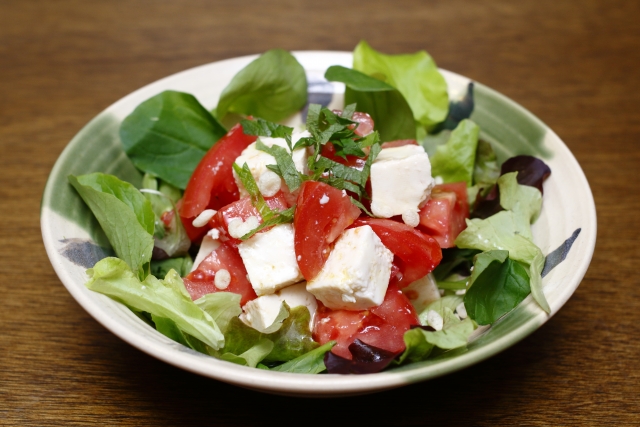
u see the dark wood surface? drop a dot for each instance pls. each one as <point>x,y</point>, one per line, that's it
<point>573,64</point>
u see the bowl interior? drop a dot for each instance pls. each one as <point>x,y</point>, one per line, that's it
<point>74,240</point>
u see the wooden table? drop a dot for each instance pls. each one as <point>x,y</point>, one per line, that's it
<point>573,64</point>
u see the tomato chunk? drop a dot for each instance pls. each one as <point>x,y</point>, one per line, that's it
<point>383,326</point>
<point>416,254</point>
<point>443,216</point>
<point>201,281</point>
<point>212,184</point>
<point>322,213</point>
<point>243,209</point>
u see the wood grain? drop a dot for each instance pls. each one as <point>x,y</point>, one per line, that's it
<point>573,64</point>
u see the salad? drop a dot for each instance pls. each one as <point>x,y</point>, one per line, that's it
<point>370,237</point>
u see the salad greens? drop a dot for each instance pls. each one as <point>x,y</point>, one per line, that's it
<point>272,87</point>
<point>168,134</point>
<point>493,268</point>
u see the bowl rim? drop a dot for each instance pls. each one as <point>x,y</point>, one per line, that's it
<point>304,384</point>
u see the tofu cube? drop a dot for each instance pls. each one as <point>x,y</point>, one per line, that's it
<point>270,259</point>
<point>262,313</point>
<point>258,160</point>
<point>400,180</point>
<point>356,274</point>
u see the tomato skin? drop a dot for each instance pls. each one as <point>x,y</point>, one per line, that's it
<point>243,209</point>
<point>318,224</point>
<point>382,326</point>
<point>416,254</point>
<point>444,214</point>
<point>329,151</point>
<point>201,281</point>
<point>212,184</point>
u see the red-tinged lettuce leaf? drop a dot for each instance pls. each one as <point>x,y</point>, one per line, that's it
<point>367,359</point>
<point>531,171</point>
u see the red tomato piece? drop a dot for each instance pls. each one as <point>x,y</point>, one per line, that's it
<point>201,281</point>
<point>364,122</point>
<point>243,209</point>
<point>322,213</point>
<point>212,184</point>
<point>443,216</point>
<point>416,254</point>
<point>329,151</point>
<point>383,326</point>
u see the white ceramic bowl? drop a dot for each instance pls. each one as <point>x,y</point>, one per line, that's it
<point>74,241</point>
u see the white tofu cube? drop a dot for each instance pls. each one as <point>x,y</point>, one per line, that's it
<point>422,292</point>
<point>258,160</point>
<point>262,313</point>
<point>356,274</point>
<point>297,295</point>
<point>400,181</point>
<point>270,259</point>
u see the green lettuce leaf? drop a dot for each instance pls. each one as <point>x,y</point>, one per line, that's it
<point>523,200</point>
<point>414,75</point>
<point>311,362</point>
<point>168,134</point>
<point>291,340</point>
<point>182,265</point>
<point>455,160</point>
<point>389,109</point>
<point>416,346</point>
<point>500,231</point>
<point>173,239</point>
<point>165,298</point>
<point>170,329</point>
<point>125,215</point>
<point>498,285</point>
<point>221,306</point>
<point>252,356</point>
<point>272,87</point>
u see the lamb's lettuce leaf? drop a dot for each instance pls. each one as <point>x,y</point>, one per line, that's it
<point>125,215</point>
<point>415,76</point>
<point>455,160</point>
<point>166,298</point>
<point>168,134</point>
<point>273,87</point>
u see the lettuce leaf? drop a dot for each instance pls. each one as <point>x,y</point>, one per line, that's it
<point>414,75</point>
<point>221,306</point>
<point>272,87</point>
<point>311,362</point>
<point>165,298</point>
<point>503,231</point>
<point>293,339</point>
<point>389,109</point>
<point>125,215</point>
<point>497,286</point>
<point>455,160</point>
<point>168,134</point>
